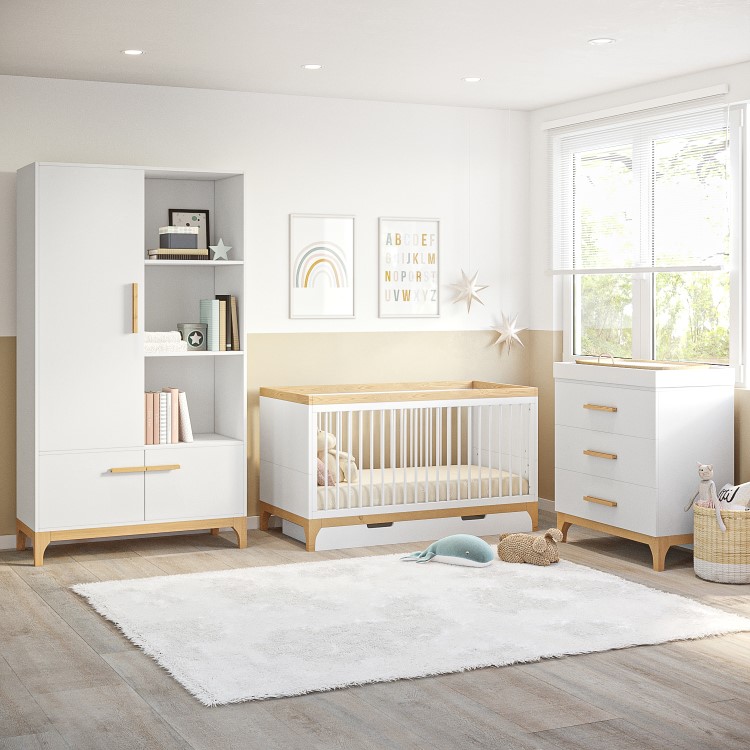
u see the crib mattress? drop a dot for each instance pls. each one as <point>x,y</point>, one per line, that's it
<point>412,486</point>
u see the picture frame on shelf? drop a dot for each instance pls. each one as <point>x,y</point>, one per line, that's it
<point>408,268</point>
<point>185,217</point>
<point>321,266</point>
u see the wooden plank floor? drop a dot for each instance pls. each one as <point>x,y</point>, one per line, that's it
<point>68,679</point>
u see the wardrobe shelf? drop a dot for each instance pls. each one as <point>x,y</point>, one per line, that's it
<point>194,354</point>
<point>200,440</point>
<point>194,263</point>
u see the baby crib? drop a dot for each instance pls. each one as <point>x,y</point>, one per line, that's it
<point>398,462</point>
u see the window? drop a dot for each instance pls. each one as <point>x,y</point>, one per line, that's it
<point>645,235</point>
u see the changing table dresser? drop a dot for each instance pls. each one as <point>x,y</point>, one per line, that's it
<point>627,446</point>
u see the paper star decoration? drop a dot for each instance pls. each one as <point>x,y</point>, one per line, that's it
<point>508,330</point>
<point>468,289</point>
<point>220,250</point>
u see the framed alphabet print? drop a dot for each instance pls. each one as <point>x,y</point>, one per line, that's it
<point>321,266</point>
<point>408,268</point>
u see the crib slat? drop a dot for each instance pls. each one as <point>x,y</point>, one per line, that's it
<point>449,450</point>
<point>349,459</point>
<point>359,459</point>
<point>372,450</point>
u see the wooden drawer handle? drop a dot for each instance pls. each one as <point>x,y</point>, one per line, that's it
<point>600,501</point>
<point>598,407</point>
<point>599,454</point>
<point>141,469</point>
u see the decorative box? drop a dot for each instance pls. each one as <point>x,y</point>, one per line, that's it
<point>178,241</point>
<point>194,334</point>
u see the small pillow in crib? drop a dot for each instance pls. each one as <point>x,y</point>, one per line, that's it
<point>458,549</point>
<point>322,479</point>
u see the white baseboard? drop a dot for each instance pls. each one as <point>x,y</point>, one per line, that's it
<point>253,522</point>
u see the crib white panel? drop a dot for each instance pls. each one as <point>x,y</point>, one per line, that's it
<point>285,434</point>
<point>423,531</point>
<point>285,488</point>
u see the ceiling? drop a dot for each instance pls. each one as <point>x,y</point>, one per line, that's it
<point>529,53</point>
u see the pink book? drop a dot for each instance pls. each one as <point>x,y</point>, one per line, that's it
<point>155,402</point>
<point>175,426</point>
<point>149,419</point>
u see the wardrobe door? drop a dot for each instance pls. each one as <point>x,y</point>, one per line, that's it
<point>90,235</point>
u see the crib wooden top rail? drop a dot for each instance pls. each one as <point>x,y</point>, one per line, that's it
<point>381,392</point>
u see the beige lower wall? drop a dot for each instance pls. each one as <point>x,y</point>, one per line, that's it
<point>545,347</point>
<point>317,358</point>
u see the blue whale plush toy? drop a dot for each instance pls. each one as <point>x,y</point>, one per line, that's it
<point>459,549</point>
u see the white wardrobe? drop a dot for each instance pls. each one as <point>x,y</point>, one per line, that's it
<point>86,293</point>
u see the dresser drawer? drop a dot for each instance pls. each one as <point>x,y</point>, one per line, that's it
<point>209,483</point>
<point>78,490</point>
<point>604,454</point>
<point>606,408</point>
<point>635,510</point>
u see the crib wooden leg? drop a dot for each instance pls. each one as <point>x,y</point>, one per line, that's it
<point>311,533</point>
<point>533,511</point>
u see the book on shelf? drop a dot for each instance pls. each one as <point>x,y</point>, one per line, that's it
<point>155,407</point>
<point>235,325</point>
<point>186,429</point>
<point>167,253</point>
<point>167,417</point>
<point>149,419</point>
<point>225,301</point>
<point>210,314</point>
<point>174,413</point>
<point>223,325</point>
<point>162,418</point>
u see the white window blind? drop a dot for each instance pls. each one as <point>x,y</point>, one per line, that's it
<point>644,197</point>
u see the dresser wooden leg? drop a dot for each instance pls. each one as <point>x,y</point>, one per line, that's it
<point>659,549</point>
<point>265,517</point>
<point>240,529</point>
<point>563,526</point>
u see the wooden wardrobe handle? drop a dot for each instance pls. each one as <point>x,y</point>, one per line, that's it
<point>136,469</point>
<point>135,306</point>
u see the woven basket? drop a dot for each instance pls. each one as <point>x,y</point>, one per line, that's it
<point>722,556</point>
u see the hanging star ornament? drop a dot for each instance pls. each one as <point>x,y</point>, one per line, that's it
<point>220,250</point>
<point>508,330</point>
<point>469,289</point>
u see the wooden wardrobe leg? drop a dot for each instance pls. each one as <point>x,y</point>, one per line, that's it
<point>311,533</point>
<point>41,541</point>
<point>20,540</point>
<point>214,532</point>
<point>240,529</point>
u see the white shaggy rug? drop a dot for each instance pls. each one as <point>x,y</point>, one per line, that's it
<point>252,633</point>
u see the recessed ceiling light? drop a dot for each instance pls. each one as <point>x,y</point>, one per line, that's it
<point>133,52</point>
<point>312,66</point>
<point>602,40</point>
<point>471,79</point>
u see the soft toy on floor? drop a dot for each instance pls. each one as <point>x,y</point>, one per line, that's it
<point>527,548</point>
<point>459,549</point>
<point>706,494</point>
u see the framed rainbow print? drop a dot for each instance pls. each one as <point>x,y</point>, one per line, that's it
<point>321,266</point>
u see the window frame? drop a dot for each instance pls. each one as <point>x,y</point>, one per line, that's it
<point>643,282</point>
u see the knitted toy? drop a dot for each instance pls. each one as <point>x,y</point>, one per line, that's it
<point>707,493</point>
<point>342,466</point>
<point>528,548</point>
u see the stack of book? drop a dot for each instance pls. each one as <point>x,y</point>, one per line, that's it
<point>167,418</point>
<point>221,317</point>
<point>178,243</point>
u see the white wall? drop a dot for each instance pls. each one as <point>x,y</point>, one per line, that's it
<point>546,308</point>
<point>300,155</point>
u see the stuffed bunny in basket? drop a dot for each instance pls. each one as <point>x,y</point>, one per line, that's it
<point>706,494</point>
<point>528,548</point>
